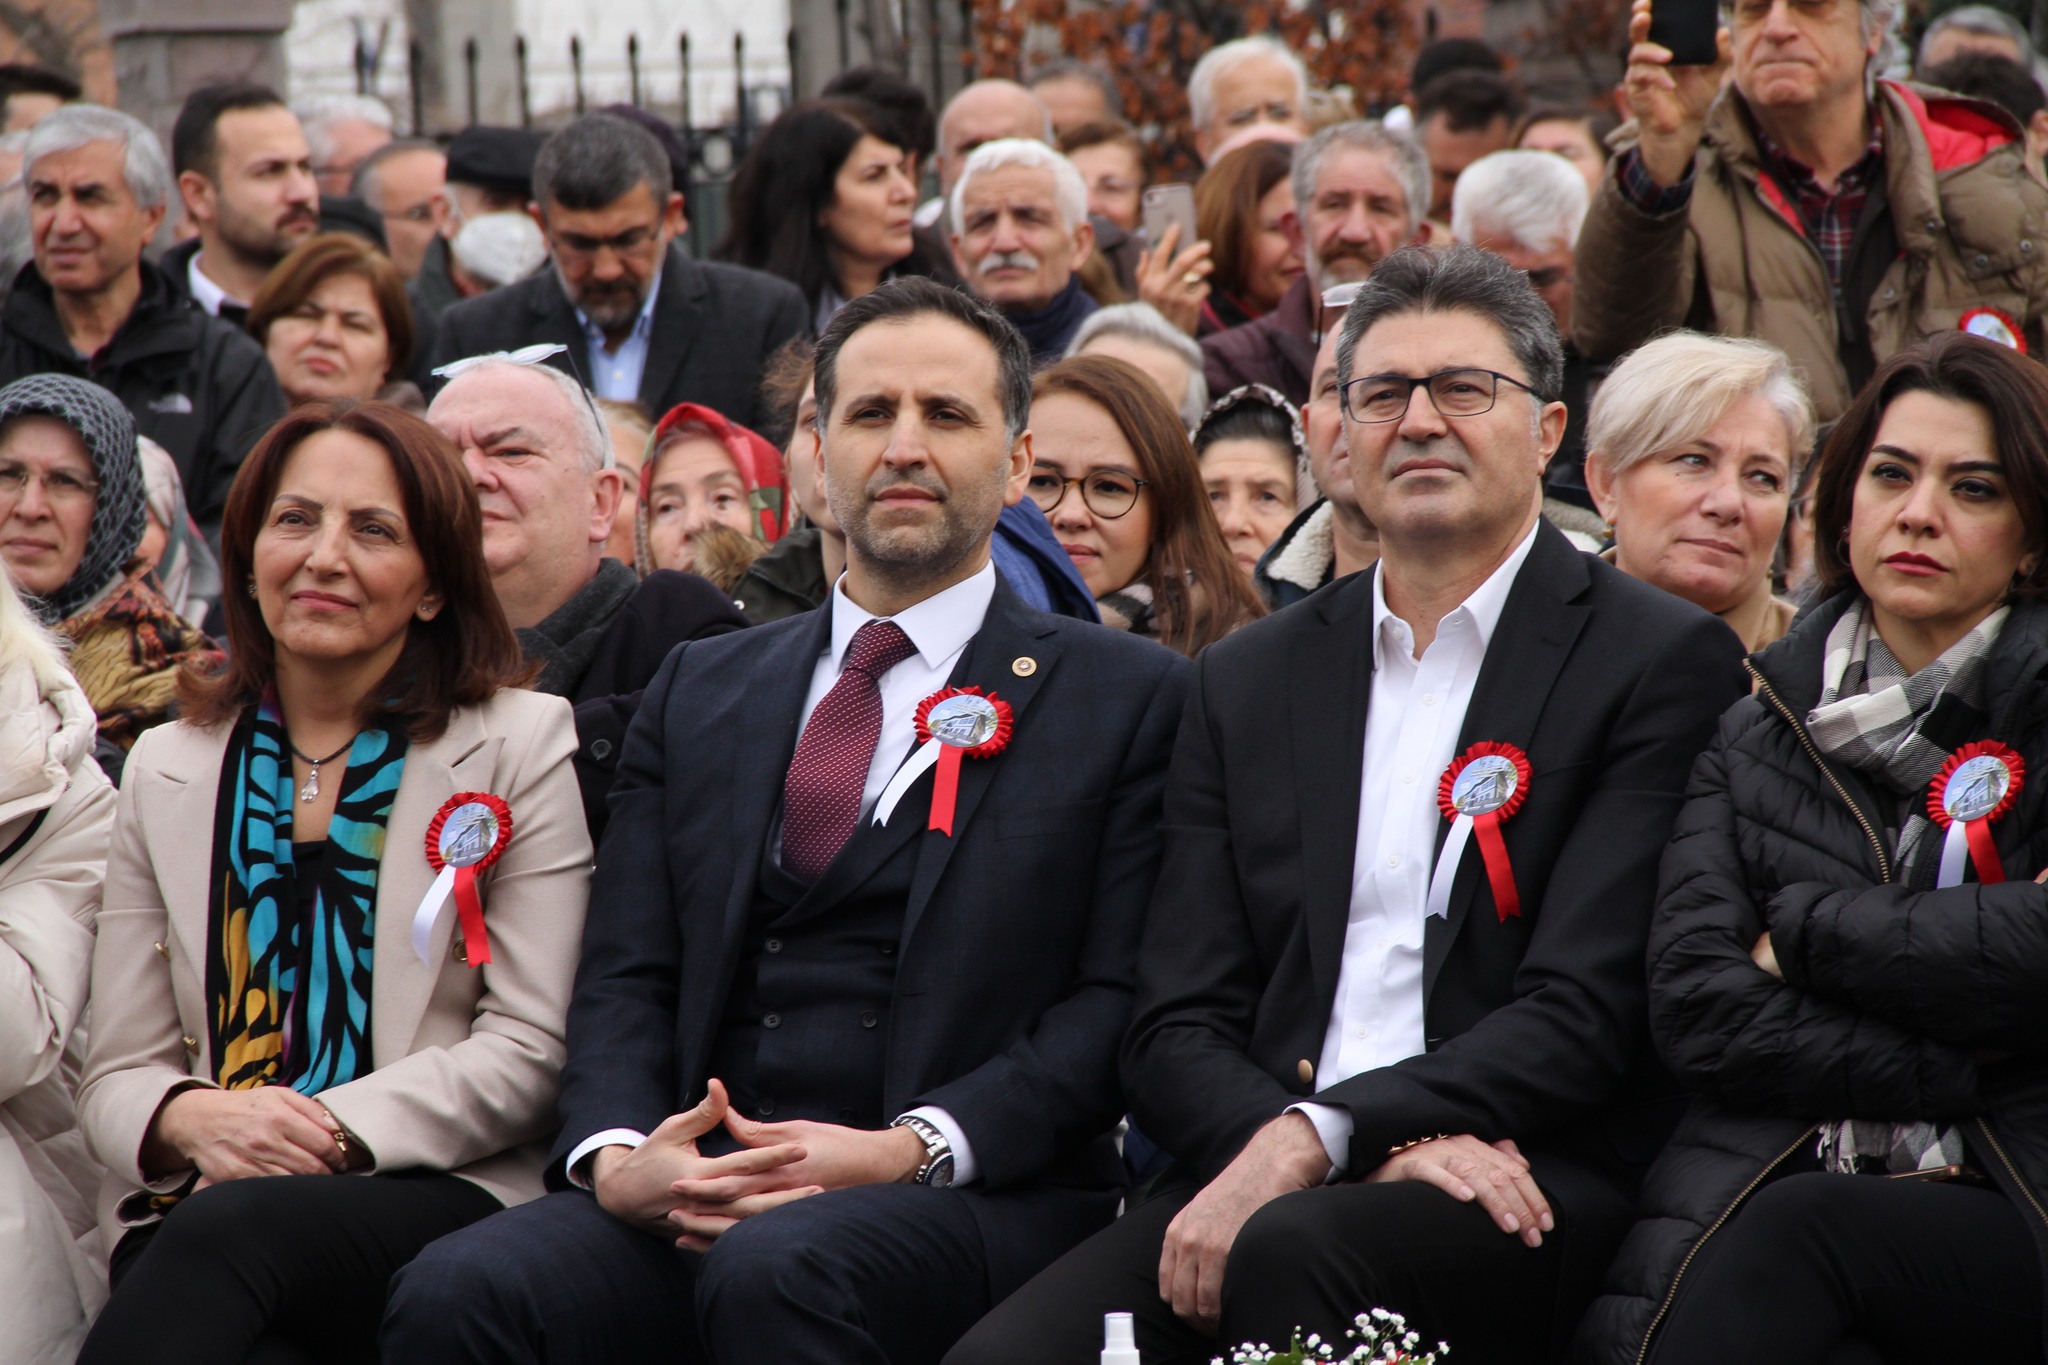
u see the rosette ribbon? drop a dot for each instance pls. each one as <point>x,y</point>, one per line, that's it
<point>943,752</point>
<point>467,835</point>
<point>1476,808</point>
<point>1976,786</point>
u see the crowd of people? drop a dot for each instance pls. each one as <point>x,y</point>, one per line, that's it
<point>1461,732</point>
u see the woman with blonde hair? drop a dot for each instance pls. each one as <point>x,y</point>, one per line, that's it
<point>56,813</point>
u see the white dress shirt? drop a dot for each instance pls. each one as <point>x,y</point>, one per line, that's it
<point>205,292</point>
<point>940,626</point>
<point>1411,735</point>
<point>616,374</point>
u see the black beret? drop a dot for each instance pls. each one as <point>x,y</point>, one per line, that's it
<point>342,213</point>
<point>497,159</point>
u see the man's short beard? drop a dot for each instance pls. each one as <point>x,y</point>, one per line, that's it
<point>605,315</point>
<point>911,556</point>
<point>256,243</point>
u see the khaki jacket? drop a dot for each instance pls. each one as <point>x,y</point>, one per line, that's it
<point>52,1268</point>
<point>465,1061</point>
<point>1972,230</point>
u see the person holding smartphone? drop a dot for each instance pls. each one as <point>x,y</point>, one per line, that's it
<point>1846,954</point>
<point>1837,217</point>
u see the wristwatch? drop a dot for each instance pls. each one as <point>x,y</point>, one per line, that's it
<point>937,1170</point>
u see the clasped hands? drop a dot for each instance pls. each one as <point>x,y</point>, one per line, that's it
<point>666,1187</point>
<point>1287,1155</point>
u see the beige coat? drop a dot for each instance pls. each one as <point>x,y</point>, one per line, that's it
<point>52,1270</point>
<point>466,1062</point>
<point>1972,230</point>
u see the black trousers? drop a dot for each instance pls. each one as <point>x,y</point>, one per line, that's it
<point>877,1275</point>
<point>1821,1269</point>
<point>1310,1261</point>
<point>276,1270</point>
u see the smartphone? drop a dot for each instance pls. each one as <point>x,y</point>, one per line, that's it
<point>1166,205</point>
<point>1687,27</point>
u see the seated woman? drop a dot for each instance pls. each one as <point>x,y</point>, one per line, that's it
<point>72,515</point>
<point>334,319</point>
<point>1255,467</point>
<point>1241,206</point>
<point>283,986</point>
<point>1692,448</point>
<point>1116,478</point>
<point>706,476</point>
<point>1847,955</point>
<point>824,199</point>
<point>56,813</point>
<point>181,563</point>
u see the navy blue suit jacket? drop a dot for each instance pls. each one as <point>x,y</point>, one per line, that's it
<point>1020,937</point>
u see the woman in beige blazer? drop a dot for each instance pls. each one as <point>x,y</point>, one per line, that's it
<point>56,811</point>
<point>284,1000</point>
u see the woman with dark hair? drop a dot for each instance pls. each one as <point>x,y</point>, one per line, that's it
<point>825,200</point>
<point>341,916</point>
<point>334,319</point>
<point>1254,463</point>
<point>1847,958</point>
<point>1579,135</point>
<point>1115,476</point>
<point>1241,207</point>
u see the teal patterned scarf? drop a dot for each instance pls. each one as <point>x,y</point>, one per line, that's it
<point>291,991</point>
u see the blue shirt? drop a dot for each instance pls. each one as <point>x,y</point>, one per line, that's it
<point>616,374</point>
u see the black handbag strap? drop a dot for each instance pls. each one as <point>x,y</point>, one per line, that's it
<point>35,823</point>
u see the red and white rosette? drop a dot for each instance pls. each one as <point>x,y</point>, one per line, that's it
<point>1483,787</point>
<point>1977,786</point>
<point>952,724</point>
<point>1994,324</point>
<point>467,835</point>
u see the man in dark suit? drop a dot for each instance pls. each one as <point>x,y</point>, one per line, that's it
<point>1402,1061</point>
<point>639,319</point>
<point>839,1079</point>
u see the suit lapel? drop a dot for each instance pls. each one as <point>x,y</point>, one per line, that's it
<point>185,780</point>
<point>552,318</point>
<point>678,318</point>
<point>1329,687</point>
<point>1539,623</point>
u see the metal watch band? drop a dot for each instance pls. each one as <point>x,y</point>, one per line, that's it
<point>937,1168</point>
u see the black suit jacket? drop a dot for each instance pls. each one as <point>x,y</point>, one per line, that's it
<point>1013,983</point>
<point>1534,1025</point>
<point>714,327</point>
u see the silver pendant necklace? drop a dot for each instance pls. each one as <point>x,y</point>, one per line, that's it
<point>311,791</point>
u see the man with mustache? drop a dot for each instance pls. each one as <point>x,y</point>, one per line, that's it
<point>842,1055</point>
<point>1360,190</point>
<point>246,175</point>
<point>635,316</point>
<point>1402,1059</point>
<point>1020,232</point>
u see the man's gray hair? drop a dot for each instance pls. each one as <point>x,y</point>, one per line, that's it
<point>1070,191</point>
<point>1141,322</point>
<point>1460,279</point>
<point>366,183</point>
<point>1672,391</point>
<point>593,443</point>
<point>596,161</point>
<point>1402,152</point>
<point>1535,200</point>
<point>72,126</point>
<point>1220,61</point>
<point>1985,21</point>
<point>317,115</point>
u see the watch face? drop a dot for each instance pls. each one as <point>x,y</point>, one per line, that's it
<point>941,1174</point>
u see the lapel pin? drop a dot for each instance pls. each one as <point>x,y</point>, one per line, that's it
<point>1024,665</point>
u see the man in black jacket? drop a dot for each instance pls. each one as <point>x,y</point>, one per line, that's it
<point>634,314</point>
<point>542,463</point>
<point>1401,1061</point>
<point>90,306</point>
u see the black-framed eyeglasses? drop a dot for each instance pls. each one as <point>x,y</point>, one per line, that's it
<point>581,246</point>
<point>1107,493</point>
<point>1455,393</point>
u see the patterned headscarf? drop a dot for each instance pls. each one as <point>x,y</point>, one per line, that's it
<point>186,572</point>
<point>1264,395</point>
<point>758,462</point>
<point>121,509</point>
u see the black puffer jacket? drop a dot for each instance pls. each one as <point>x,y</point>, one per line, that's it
<point>1894,1001</point>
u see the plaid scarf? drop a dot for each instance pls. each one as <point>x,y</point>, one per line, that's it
<point>1898,729</point>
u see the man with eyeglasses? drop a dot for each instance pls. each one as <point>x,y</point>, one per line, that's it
<point>634,314</point>
<point>1839,217</point>
<point>1393,1029</point>
<point>403,182</point>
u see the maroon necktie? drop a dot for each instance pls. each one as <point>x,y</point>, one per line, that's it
<point>821,795</point>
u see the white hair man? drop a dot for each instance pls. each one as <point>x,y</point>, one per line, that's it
<point>1805,203</point>
<point>98,188</point>
<point>1360,192</point>
<point>342,130</point>
<point>1139,335</point>
<point>1020,233</point>
<point>545,474</point>
<point>1974,28</point>
<point>1244,83</point>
